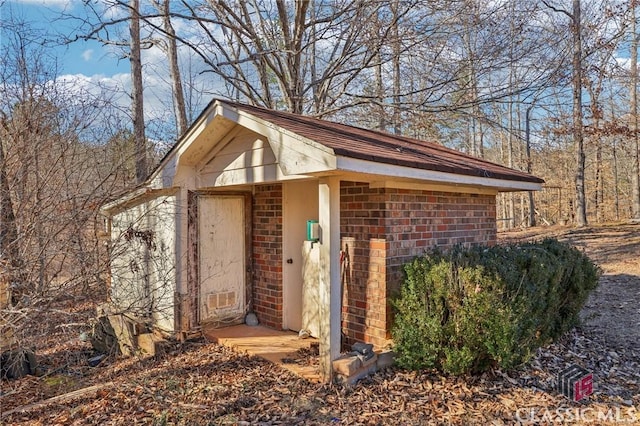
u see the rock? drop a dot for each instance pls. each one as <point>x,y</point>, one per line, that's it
<point>96,360</point>
<point>304,334</point>
<point>18,363</point>
<point>365,349</point>
<point>251,319</point>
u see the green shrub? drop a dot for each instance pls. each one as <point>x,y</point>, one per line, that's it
<point>468,310</point>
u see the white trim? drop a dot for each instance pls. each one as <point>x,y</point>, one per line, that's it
<point>371,167</point>
<point>294,153</point>
<point>329,283</point>
<point>192,133</point>
<point>187,138</point>
<point>430,186</point>
<point>247,176</point>
<point>134,198</point>
<point>257,124</point>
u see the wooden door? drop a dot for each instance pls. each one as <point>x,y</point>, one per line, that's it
<point>221,258</point>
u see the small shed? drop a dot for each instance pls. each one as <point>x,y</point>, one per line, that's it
<point>304,222</point>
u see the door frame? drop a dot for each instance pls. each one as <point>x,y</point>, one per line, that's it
<point>193,244</point>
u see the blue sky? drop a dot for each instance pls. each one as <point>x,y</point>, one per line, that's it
<point>81,57</point>
<point>101,70</point>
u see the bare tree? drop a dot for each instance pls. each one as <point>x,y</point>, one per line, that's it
<point>576,30</point>
<point>578,138</point>
<point>174,67</point>
<point>137,98</point>
<point>53,178</point>
<point>462,71</point>
<point>633,107</point>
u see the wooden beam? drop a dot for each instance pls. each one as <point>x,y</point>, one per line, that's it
<point>59,399</point>
<point>329,288</point>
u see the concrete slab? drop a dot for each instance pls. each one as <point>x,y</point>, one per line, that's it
<point>273,345</point>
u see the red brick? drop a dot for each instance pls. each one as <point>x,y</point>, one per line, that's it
<point>394,226</point>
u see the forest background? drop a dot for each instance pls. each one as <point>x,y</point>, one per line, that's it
<point>545,86</point>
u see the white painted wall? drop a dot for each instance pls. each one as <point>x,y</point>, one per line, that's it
<point>300,203</point>
<point>246,157</point>
<point>311,288</point>
<point>143,267</point>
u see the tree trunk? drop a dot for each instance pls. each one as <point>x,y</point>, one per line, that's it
<point>581,202</point>
<point>633,89</point>
<point>527,133</point>
<point>599,199</point>
<point>174,70</point>
<point>382,121</point>
<point>136,95</point>
<point>312,62</point>
<point>616,182</point>
<point>594,91</point>
<point>397,128</point>
<point>510,132</point>
<point>8,231</point>
<point>475,140</point>
<point>10,260</point>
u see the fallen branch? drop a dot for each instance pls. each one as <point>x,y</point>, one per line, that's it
<point>194,406</point>
<point>72,324</point>
<point>59,398</point>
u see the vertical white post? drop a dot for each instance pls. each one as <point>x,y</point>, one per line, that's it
<point>330,297</point>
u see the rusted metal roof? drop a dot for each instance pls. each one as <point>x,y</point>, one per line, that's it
<point>370,145</point>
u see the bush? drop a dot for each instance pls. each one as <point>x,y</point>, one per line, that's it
<point>469,310</point>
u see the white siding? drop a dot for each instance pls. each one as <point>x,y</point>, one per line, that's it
<point>246,158</point>
<point>143,269</point>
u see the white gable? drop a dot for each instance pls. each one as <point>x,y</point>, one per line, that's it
<point>243,157</point>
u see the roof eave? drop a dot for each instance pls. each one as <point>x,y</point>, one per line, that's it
<point>133,198</point>
<point>396,171</point>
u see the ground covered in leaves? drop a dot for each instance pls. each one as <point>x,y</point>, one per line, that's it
<point>199,382</point>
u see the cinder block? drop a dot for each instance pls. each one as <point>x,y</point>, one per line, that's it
<point>360,373</point>
<point>123,331</point>
<point>385,359</point>
<point>347,364</point>
<point>352,367</point>
<point>146,344</point>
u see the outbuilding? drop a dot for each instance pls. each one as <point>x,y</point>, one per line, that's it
<point>305,223</point>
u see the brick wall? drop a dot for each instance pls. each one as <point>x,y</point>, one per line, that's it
<point>267,254</point>
<point>381,230</point>
<point>362,228</point>
<point>419,220</point>
<point>384,228</point>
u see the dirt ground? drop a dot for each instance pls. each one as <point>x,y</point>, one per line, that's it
<point>612,313</point>
<point>199,382</point>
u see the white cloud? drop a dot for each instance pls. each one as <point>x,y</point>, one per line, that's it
<point>623,62</point>
<point>62,4</point>
<point>87,55</point>
<point>115,90</point>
